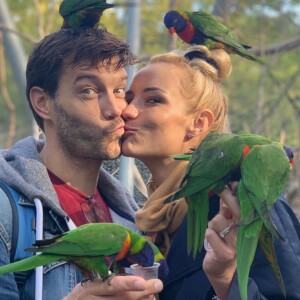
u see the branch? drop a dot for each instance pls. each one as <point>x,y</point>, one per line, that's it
<point>293,103</point>
<point>50,21</point>
<point>283,94</point>
<point>40,18</point>
<point>10,105</point>
<point>172,39</point>
<point>277,48</point>
<point>22,35</point>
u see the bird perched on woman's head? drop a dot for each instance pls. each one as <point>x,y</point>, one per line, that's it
<point>201,28</point>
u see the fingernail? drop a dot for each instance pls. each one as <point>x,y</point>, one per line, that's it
<point>158,285</point>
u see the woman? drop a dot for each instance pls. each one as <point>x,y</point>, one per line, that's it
<point>173,103</point>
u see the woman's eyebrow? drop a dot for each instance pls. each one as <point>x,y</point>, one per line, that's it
<point>151,89</point>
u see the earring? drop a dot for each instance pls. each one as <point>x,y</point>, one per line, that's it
<point>189,135</point>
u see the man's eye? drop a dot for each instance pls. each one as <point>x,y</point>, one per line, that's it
<point>120,92</point>
<point>88,91</point>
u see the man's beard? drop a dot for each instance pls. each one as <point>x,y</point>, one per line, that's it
<point>81,139</point>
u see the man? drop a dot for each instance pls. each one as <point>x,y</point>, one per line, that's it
<point>75,87</point>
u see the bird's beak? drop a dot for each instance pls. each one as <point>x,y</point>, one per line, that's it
<point>172,30</point>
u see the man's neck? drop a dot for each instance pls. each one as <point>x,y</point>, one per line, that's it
<point>82,174</point>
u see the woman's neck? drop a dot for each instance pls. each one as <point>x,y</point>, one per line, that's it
<point>160,168</point>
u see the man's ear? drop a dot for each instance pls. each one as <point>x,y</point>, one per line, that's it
<point>202,123</point>
<point>40,102</point>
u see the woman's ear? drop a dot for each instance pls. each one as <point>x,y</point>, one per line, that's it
<point>40,102</point>
<point>202,123</point>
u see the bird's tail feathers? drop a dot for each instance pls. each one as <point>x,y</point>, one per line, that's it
<point>267,246</point>
<point>246,46</point>
<point>245,254</point>
<point>198,206</point>
<point>272,227</point>
<point>250,56</point>
<point>30,263</point>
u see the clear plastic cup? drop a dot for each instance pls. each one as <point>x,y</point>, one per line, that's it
<point>145,272</point>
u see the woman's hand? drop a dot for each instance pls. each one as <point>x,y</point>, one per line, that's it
<point>120,288</point>
<point>220,260</point>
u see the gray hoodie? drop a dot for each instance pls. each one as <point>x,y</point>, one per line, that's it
<point>21,168</point>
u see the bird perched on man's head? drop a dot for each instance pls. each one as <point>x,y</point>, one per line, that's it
<point>201,28</point>
<point>82,13</point>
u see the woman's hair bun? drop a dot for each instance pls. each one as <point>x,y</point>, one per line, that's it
<point>219,59</point>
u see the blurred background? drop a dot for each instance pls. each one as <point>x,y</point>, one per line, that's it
<point>262,99</point>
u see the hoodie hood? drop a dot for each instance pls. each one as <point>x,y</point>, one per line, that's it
<point>22,169</point>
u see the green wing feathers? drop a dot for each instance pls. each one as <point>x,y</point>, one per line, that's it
<point>88,240</point>
<point>217,31</point>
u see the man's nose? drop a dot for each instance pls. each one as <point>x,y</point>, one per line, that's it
<point>111,106</point>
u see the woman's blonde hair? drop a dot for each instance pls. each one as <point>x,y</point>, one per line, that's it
<point>205,70</point>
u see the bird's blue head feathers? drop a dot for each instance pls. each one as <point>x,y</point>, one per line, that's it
<point>146,257</point>
<point>176,20</point>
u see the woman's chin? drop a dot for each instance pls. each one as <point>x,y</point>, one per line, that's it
<point>127,149</point>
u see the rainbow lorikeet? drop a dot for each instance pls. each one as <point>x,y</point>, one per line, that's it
<point>262,168</point>
<point>209,169</point>
<point>97,248</point>
<point>264,175</point>
<point>82,13</point>
<point>201,28</point>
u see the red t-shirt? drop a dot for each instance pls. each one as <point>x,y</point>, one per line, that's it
<point>74,202</point>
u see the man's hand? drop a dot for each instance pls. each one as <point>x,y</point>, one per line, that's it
<point>120,287</point>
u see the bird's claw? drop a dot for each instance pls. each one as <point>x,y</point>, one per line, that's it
<point>109,279</point>
<point>92,276</point>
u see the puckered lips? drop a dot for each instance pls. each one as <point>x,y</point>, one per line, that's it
<point>117,128</point>
<point>129,131</point>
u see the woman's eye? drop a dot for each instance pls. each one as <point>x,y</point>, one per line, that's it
<point>153,100</point>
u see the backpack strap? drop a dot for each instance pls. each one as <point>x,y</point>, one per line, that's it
<point>23,228</point>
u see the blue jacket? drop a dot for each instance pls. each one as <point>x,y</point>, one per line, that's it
<point>187,280</point>
<point>22,169</point>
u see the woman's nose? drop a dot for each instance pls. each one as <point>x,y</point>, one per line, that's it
<point>130,112</point>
